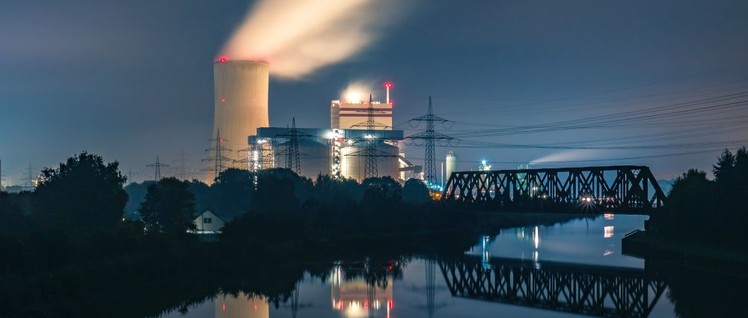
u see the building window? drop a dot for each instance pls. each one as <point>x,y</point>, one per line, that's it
<point>207,220</point>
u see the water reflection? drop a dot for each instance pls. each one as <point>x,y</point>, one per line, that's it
<point>358,297</point>
<point>574,271</point>
<point>564,287</point>
<point>241,306</point>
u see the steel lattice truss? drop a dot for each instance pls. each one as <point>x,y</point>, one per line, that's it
<point>581,289</point>
<point>623,189</point>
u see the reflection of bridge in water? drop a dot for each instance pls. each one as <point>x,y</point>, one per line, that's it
<point>574,288</point>
<point>621,189</point>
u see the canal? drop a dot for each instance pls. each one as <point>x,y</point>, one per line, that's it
<point>563,270</point>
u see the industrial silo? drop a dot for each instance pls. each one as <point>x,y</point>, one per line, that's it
<point>314,157</point>
<point>353,163</point>
<point>241,102</point>
<point>451,164</point>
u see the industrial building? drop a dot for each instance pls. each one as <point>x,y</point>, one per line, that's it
<point>335,152</point>
<point>242,137</point>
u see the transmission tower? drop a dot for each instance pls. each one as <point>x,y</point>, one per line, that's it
<point>157,168</point>
<point>370,168</point>
<point>292,149</point>
<point>218,158</point>
<point>29,176</point>
<point>429,137</point>
<point>370,141</point>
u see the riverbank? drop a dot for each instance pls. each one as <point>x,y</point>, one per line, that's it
<point>708,256</point>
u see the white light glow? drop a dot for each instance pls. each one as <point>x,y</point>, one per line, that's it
<point>608,231</point>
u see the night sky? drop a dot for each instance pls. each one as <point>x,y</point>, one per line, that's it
<point>130,80</point>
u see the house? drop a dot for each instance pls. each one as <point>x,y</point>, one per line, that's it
<point>208,223</point>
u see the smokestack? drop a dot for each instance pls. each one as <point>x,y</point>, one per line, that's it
<point>241,101</point>
<point>388,85</point>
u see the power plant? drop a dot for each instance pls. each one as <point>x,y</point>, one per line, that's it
<point>360,133</point>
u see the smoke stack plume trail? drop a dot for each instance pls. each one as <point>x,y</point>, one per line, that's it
<point>565,156</point>
<point>299,37</point>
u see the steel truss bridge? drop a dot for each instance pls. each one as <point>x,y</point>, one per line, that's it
<point>620,189</point>
<point>580,289</point>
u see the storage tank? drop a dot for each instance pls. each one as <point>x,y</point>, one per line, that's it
<point>353,161</point>
<point>241,102</point>
<point>314,157</point>
<point>451,164</point>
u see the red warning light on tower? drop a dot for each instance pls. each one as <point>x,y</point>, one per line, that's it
<point>223,59</point>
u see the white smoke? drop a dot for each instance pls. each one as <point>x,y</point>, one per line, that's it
<point>568,156</point>
<point>298,37</point>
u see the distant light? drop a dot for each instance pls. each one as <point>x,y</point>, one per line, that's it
<point>608,231</point>
<point>223,100</point>
<point>387,84</point>
<point>223,59</point>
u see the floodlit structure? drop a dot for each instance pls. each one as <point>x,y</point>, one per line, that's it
<point>451,164</point>
<point>334,152</point>
<point>352,110</point>
<point>241,104</point>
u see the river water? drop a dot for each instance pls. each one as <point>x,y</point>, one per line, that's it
<point>563,270</point>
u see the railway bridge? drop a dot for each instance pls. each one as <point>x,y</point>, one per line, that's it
<point>605,189</point>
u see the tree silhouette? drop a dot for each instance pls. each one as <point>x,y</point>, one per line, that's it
<point>415,192</point>
<point>82,193</point>
<point>169,207</point>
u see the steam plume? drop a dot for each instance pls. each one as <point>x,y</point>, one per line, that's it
<point>298,37</point>
<point>569,155</point>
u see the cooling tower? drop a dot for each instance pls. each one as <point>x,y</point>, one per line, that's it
<point>241,103</point>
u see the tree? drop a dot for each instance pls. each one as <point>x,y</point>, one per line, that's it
<point>276,191</point>
<point>169,207</point>
<point>11,214</point>
<point>233,190</point>
<point>380,193</point>
<point>336,194</point>
<point>82,193</point>
<point>415,192</point>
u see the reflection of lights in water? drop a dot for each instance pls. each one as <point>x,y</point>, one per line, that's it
<point>609,216</point>
<point>536,237</point>
<point>535,257</point>
<point>608,231</point>
<point>241,305</point>
<point>608,252</point>
<point>355,298</point>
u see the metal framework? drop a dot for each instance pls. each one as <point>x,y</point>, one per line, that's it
<point>292,149</point>
<point>623,189</point>
<point>156,167</point>
<point>218,158</point>
<point>429,138</point>
<point>580,289</point>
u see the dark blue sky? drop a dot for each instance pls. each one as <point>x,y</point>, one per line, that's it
<point>133,79</point>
